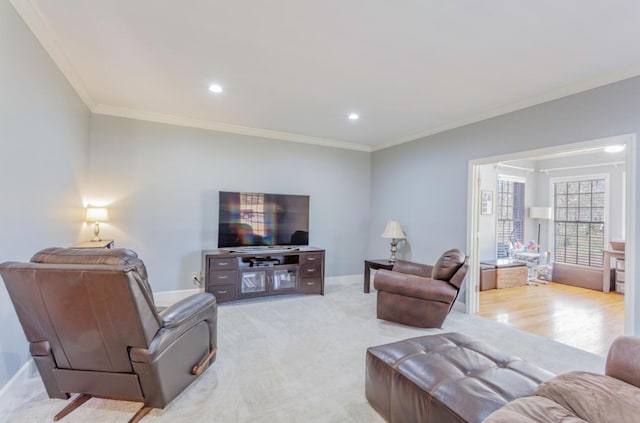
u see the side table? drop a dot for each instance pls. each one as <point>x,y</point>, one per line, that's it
<point>606,267</point>
<point>374,264</point>
<point>103,243</point>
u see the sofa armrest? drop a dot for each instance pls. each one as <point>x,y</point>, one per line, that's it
<point>414,286</point>
<point>176,314</point>
<point>622,360</point>
<point>178,319</point>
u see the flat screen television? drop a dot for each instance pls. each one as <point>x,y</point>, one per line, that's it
<point>250,219</point>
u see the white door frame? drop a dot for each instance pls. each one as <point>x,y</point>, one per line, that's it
<point>472,294</point>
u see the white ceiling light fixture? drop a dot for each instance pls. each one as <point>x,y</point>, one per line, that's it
<point>215,88</point>
<point>614,148</point>
<point>354,116</point>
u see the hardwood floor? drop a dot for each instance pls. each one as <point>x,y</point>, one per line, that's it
<point>583,318</point>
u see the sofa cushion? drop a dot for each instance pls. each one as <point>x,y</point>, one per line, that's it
<point>532,410</point>
<point>112,256</point>
<point>448,264</point>
<point>593,397</point>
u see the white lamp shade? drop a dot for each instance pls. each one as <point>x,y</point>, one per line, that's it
<point>393,230</point>
<point>97,214</point>
<point>545,213</point>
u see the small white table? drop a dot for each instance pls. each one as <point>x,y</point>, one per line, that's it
<point>531,259</point>
<point>526,256</point>
<point>606,267</point>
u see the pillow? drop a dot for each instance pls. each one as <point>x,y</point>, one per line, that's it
<point>594,397</point>
<point>84,256</point>
<point>532,410</point>
<point>448,264</point>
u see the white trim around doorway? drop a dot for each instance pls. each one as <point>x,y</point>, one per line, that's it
<point>472,294</point>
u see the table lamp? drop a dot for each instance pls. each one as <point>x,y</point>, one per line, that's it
<point>97,215</point>
<point>393,231</point>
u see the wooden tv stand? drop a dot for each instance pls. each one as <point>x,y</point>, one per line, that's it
<point>234,275</point>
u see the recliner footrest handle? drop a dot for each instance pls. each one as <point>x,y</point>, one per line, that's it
<point>198,368</point>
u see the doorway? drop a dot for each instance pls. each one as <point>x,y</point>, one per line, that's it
<point>475,201</point>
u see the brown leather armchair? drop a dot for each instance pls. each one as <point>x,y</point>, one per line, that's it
<point>93,328</point>
<point>420,295</point>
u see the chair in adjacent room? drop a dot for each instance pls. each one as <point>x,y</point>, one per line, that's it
<point>93,328</point>
<point>420,295</point>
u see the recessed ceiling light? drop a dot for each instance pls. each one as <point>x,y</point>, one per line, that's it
<point>614,148</point>
<point>215,88</point>
<point>354,116</point>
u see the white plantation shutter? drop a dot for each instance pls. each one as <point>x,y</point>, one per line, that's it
<point>510,213</point>
<point>579,208</point>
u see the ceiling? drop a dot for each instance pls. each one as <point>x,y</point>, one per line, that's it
<point>294,70</point>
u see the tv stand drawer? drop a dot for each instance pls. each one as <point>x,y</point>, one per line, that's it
<point>311,259</point>
<point>223,263</point>
<point>224,293</point>
<point>311,270</point>
<point>311,285</point>
<point>223,277</point>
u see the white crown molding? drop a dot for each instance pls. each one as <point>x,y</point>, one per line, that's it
<point>41,29</point>
<point>39,26</point>
<point>37,23</point>
<point>578,87</point>
<point>103,109</point>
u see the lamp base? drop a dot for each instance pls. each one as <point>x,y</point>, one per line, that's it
<point>394,249</point>
<point>96,233</point>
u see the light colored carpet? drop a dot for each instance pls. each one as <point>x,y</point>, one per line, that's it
<point>293,359</point>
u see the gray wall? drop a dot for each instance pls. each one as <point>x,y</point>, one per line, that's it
<point>424,183</point>
<point>162,183</point>
<point>44,132</point>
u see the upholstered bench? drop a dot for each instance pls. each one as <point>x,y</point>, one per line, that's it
<point>444,378</point>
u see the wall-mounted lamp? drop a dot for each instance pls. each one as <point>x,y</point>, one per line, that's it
<point>393,231</point>
<point>97,215</point>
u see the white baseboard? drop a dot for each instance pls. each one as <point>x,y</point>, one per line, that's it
<point>459,306</point>
<point>20,378</point>
<point>165,298</point>
<point>162,298</point>
<point>347,279</point>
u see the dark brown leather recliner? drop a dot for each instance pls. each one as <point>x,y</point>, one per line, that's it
<point>93,328</point>
<point>420,295</point>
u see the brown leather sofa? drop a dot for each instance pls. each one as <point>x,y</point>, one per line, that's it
<point>454,378</point>
<point>419,294</point>
<point>613,397</point>
<point>93,328</point>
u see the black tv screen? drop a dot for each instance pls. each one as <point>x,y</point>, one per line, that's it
<point>250,219</point>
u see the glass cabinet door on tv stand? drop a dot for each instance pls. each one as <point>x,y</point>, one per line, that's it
<point>284,279</point>
<point>257,280</point>
<point>253,281</point>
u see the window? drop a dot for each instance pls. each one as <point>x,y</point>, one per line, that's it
<point>252,212</point>
<point>510,214</point>
<point>579,221</point>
